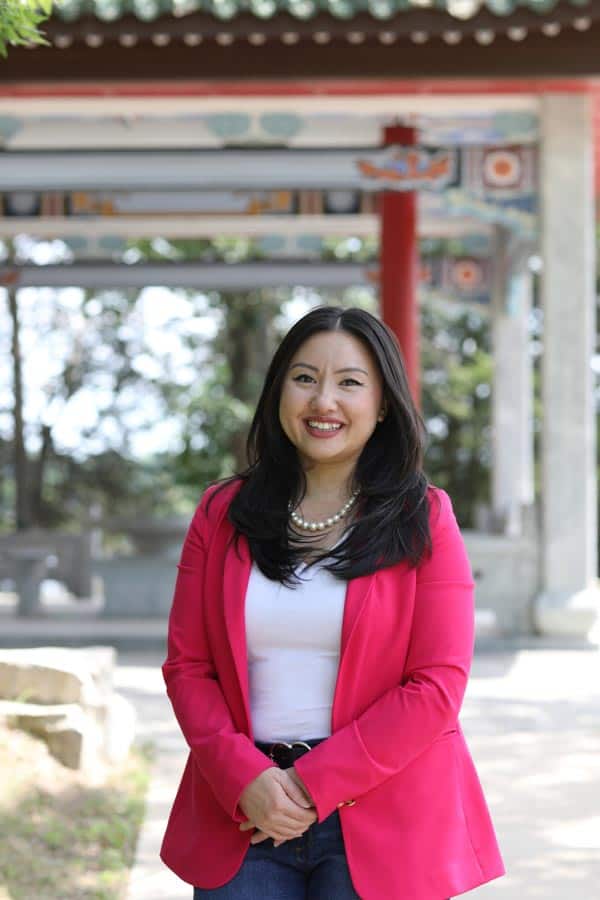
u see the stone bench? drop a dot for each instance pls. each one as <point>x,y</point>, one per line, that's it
<point>70,556</point>
<point>27,567</point>
<point>506,579</point>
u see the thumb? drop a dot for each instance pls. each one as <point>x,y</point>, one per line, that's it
<point>295,793</point>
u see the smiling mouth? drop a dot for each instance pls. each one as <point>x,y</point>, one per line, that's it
<point>324,426</point>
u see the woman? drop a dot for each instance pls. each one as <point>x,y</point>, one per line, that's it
<point>319,647</point>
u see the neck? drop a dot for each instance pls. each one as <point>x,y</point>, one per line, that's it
<point>329,483</point>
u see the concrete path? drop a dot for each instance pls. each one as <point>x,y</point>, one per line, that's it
<point>533,724</point>
<point>532,719</point>
<point>138,677</point>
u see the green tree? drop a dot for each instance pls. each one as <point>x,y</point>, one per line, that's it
<point>19,21</point>
<point>106,379</point>
<point>456,362</point>
<point>107,369</point>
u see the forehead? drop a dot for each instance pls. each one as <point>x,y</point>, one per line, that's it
<point>339,347</point>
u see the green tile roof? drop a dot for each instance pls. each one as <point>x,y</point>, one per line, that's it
<point>147,10</point>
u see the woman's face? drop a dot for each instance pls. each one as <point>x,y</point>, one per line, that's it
<point>331,398</point>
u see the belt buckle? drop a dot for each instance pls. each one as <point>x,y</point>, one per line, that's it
<point>277,744</point>
<point>288,746</point>
<point>301,744</point>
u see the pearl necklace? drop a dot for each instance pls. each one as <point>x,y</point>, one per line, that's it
<point>326,523</point>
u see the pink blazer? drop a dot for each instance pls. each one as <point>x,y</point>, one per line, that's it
<point>413,815</point>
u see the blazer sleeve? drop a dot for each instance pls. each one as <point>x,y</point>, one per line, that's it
<point>407,719</point>
<point>226,758</point>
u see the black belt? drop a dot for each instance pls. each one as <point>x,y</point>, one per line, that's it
<point>286,753</point>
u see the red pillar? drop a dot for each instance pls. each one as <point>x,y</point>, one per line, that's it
<point>399,265</point>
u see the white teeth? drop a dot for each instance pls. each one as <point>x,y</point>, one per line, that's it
<point>324,426</point>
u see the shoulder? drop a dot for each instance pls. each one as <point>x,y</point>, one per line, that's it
<point>448,560</point>
<point>215,502</point>
<point>441,513</point>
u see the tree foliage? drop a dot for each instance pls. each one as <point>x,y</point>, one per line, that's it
<point>114,374</point>
<point>20,21</point>
<point>89,361</point>
<point>456,365</point>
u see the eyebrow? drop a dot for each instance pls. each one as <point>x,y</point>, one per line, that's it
<point>337,371</point>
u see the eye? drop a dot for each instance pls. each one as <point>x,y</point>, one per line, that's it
<point>303,378</point>
<point>352,382</point>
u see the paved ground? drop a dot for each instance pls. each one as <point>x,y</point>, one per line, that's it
<point>138,677</point>
<point>532,718</point>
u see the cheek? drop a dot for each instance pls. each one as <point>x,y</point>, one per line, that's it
<point>368,410</point>
<point>375,403</point>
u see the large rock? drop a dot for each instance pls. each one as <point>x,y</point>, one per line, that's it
<point>65,696</point>
<point>72,737</point>
<point>57,674</point>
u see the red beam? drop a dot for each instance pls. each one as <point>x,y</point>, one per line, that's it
<point>312,88</point>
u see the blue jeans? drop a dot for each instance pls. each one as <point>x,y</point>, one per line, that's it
<point>311,867</point>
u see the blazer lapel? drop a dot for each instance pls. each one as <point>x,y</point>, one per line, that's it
<point>356,597</point>
<point>357,593</point>
<point>238,564</point>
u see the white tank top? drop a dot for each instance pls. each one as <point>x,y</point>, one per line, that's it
<point>293,638</point>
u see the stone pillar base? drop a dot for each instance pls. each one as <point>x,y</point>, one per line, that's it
<point>566,614</point>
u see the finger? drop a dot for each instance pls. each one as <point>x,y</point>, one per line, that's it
<point>287,828</point>
<point>290,812</point>
<point>297,834</point>
<point>258,837</point>
<point>284,831</point>
<point>281,829</point>
<point>276,833</point>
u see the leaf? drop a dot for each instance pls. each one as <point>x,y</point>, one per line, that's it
<point>19,20</point>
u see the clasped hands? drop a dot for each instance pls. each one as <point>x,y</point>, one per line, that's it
<point>277,805</point>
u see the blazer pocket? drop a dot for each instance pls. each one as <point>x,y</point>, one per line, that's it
<point>445,735</point>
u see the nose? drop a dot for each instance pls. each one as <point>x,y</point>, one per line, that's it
<point>323,399</point>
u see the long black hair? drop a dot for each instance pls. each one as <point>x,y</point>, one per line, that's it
<point>392,521</point>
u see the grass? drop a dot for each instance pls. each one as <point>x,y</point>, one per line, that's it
<point>63,837</point>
